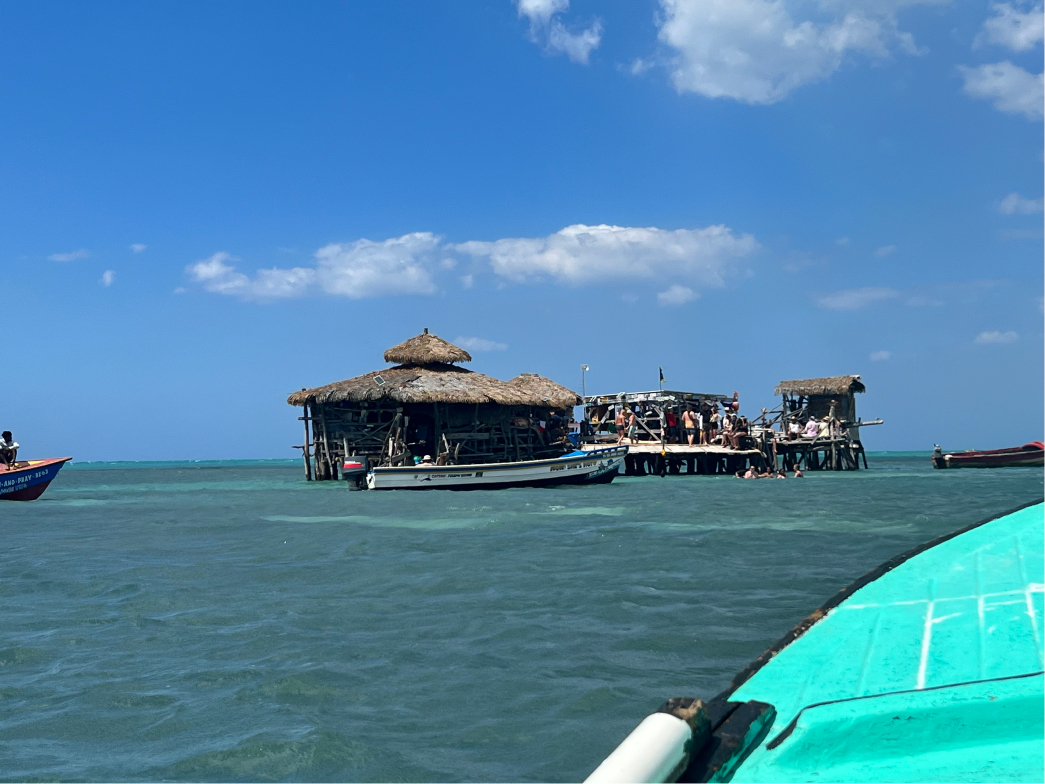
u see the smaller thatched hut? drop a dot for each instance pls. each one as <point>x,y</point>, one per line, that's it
<point>426,404</point>
<point>820,395</point>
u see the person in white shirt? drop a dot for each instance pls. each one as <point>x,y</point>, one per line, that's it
<point>8,449</point>
<point>794,430</point>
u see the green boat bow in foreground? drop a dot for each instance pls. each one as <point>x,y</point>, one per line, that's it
<point>928,669</point>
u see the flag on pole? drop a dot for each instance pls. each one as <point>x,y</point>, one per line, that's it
<point>662,376</point>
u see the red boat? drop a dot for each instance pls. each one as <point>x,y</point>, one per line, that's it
<point>1032,454</point>
<point>29,478</point>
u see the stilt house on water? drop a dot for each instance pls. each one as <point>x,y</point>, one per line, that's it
<point>831,401</point>
<point>427,405</point>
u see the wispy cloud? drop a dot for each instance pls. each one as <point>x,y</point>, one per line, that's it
<point>75,255</point>
<point>480,344</point>
<point>993,337</point>
<point>1012,89</point>
<point>548,30</point>
<point>880,356</point>
<point>676,295</point>
<point>138,247</point>
<point>885,250</point>
<point>855,299</point>
<point>1014,204</point>
<point>107,278</point>
<point>1017,30</point>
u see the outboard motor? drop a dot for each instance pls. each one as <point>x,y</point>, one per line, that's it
<point>354,470</point>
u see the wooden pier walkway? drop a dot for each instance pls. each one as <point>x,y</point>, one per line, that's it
<point>650,457</point>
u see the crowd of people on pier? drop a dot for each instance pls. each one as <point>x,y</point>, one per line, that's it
<point>694,424</point>
<point>704,424</point>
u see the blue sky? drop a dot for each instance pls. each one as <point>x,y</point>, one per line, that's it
<point>207,206</point>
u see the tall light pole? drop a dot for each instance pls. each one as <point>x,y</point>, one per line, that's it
<point>584,369</point>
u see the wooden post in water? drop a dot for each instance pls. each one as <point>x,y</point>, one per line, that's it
<point>307,448</point>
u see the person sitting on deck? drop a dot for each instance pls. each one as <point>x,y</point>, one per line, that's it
<point>620,423</point>
<point>812,428</point>
<point>794,430</point>
<point>8,449</point>
<point>825,427</point>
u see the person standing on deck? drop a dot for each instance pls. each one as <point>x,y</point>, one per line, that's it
<point>689,424</point>
<point>8,449</point>
<point>713,424</point>
<point>633,428</point>
<point>620,423</point>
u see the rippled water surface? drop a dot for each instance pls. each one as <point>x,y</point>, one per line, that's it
<point>228,621</point>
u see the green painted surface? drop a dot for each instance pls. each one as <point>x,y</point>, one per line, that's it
<point>970,609</point>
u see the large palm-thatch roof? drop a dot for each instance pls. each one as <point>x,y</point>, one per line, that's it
<point>546,391</point>
<point>411,384</point>
<point>426,349</point>
<point>425,374</point>
<point>830,385</point>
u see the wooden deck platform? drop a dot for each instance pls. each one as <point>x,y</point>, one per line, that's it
<point>650,457</point>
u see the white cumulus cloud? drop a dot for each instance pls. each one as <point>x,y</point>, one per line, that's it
<point>855,299</point>
<point>880,356</point>
<point>885,250</point>
<point>1012,89</point>
<point>757,51</point>
<point>138,247</point>
<point>590,255</point>
<point>75,255</point>
<point>1014,29</point>
<point>480,344</point>
<point>107,278</point>
<point>986,338</point>
<point>548,30</point>
<point>401,265</point>
<point>1014,204</point>
<point>364,268</point>
<point>676,295</point>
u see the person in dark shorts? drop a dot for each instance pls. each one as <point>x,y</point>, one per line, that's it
<point>8,449</point>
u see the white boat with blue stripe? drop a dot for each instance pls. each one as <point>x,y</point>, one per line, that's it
<point>598,466</point>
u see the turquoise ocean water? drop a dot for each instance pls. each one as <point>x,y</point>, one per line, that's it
<point>229,621</point>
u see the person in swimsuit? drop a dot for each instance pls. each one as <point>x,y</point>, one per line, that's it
<point>620,423</point>
<point>689,424</point>
<point>633,428</point>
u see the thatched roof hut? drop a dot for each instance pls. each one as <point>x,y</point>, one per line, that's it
<point>830,385</point>
<point>426,349</point>
<point>435,383</point>
<point>545,392</point>
<point>425,374</point>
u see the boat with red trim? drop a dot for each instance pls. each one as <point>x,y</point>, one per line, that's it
<point>29,478</point>
<point>1032,454</point>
